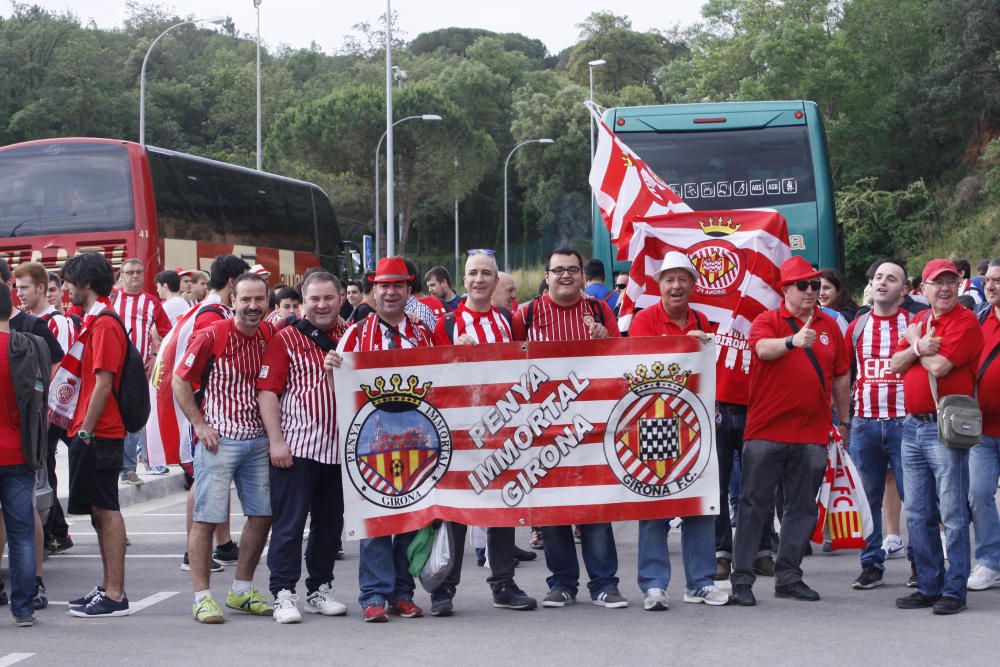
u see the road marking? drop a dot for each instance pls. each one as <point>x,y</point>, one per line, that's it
<point>178,514</point>
<point>14,658</point>
<point>61,556</point>
<point>150,601</point>
<point>134,533</point>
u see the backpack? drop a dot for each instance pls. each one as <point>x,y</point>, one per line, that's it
<point>133,388</point>
<point>529,312</point>
<point>449,322</point>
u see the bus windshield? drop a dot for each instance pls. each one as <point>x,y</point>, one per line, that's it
<point>752,168</point>
<point>65,188</point>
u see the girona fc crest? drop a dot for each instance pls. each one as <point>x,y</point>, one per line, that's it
<point>720,267</point>
<point>655,441</point>
<point>398,446</point>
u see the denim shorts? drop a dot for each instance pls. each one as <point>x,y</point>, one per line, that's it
<point>244,461</point>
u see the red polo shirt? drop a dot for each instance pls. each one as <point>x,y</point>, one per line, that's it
<point>654,321</point>
<point>787,402</point>
<point>10,426</point>
<point>961,343</point>
<point>103,351</point>
<point>989,384</point>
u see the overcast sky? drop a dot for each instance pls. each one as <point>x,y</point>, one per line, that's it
<point>299,22</point>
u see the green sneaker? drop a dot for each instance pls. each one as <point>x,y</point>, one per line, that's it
<point>251,602</point>
<point>207,611</point>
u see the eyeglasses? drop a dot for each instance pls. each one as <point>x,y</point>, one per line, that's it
<point>137,272</point>
<point>621,285</point>
<point>482,251</point>
<point>560,270</point>
<point>803,285</point>
<point>950,282</point>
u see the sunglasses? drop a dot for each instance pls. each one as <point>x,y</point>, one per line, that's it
<point>621,285</point>
<point>803,285</point>
<point>481,251</point>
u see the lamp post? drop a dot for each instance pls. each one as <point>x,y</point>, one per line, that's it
<point>390,236</point>
<point>591,65</point>
<point>378,148</point>
<point>256,4</point>
<point>506,254</point>
<point>216,20</point>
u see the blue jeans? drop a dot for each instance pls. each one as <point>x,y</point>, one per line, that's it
<point>875,445</point>
<point>600,557</point>
<point>697,551</point>
<point>936,482</point>
<point>134,442</point>
<point>248,463</point>
<point>383,572</point>
<point>17,490</point>
<point>984,472</point>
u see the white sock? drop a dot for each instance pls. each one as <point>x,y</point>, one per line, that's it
<point>241,586</point>
<point>200,595</point>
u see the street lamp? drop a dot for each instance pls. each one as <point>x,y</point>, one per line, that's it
<point>378,148</point>
<point>506,254</point>
<point>256,4</point>
<point>216,20</point>
<point>591,65</point>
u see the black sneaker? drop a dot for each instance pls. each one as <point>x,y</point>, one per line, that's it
<point>509,596</point>
<point>57,545</point>
<point>948,605</point>
<point>101,607</point>
<point>870,577</point>
<point>24,621</point>
<point>797,590</point>
<point>85,600</point>
<point>742,596</point>
<point>558,597</point>
<point>442,607</point>
<point>227,553</point>
<point>41,600</point>
<point>916,600</point>
<point>912,581</point>
<point>186,564</point>
<point>524,554</point>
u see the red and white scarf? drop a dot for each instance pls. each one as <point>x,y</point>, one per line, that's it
<point>64,390</point>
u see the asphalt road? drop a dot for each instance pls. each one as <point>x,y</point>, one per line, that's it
<point>846,626</point>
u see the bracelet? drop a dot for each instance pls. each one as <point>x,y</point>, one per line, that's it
<point>916,347</point>
<point>789,343</point>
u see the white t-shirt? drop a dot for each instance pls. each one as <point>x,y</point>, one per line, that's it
<point>174,307</point>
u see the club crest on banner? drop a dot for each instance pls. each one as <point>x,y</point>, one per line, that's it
<point>720,267</point>
<point>654,441</point>
<point>398,447</point>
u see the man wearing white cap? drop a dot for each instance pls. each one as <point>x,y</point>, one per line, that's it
<point>260,271</point>
<point>673,316</point>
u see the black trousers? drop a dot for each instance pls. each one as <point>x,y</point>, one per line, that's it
<point>729,425</point>
<point>499,549</point>
<point>56,525</point>
<point>307,488</point>
<point>799,468</point>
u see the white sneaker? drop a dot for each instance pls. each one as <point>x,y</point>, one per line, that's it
<point>982,578</point>
<point>285,608</point>
<point>893,547</point>
<point>710,595</point>
<point>656,600</point>
<point>321,601</point>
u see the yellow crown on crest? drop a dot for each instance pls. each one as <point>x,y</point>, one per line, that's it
<point>412,394</point>
<point>657,373</point>
<point>719,226</point>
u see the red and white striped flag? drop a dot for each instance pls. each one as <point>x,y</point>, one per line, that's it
<point>625,188</point>
<point>555,433</point>
<point>737,253</point>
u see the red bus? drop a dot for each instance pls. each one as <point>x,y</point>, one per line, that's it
<point>61,197</point>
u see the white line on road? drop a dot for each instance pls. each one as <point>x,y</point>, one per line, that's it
<point>61,556</point>
<point>14,658</point>
<point>134,533</point>
<point>151,600</point>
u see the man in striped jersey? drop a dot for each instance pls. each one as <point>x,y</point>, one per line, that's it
<point>383,572</point>
<point>476,321</point>
<point>146,324</point>
<point>877,427</point>
<point>224,361</point>
<point>296,404</point>
<point>563,314</point>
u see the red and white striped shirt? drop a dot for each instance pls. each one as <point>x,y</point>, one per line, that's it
<point>487,327</point>
<point>230,395</point>
<point>878,392</point>
<point>373,333</point>
<point>293,369</point>
<point>140,313</point>
<point>550,321</point>
<point>61,327</point>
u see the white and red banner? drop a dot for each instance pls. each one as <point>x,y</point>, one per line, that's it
<point>527,434</point>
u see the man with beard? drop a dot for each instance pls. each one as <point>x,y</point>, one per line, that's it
<point>224,360</point>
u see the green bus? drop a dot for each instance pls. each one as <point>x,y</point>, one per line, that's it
<point>731,155</point>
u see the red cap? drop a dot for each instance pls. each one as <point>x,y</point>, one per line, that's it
<point>796,269</point>
<point>260,271</point>
<point>936,267</point>
<point>183,272</point>
<point>391,270</point>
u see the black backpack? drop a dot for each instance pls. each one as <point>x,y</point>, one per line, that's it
<point>133,390</point>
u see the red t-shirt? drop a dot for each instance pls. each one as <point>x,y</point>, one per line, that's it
<point>961,343</point>
<point>654,321</point>
<point>104,350</point>
<point>10,425</point>
<point>434,304</point>
<point>787,402</point>
<point>550,321</point>
<point>989,385</point>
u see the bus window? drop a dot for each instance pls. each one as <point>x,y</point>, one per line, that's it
<point>751,168</point>
<point>327,233</point>
<point>65,188</point>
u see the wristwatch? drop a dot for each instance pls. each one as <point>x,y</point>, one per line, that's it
<point>789,343</point>
<point>85,436</point>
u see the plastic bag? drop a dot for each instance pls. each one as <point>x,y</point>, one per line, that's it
<point>843,506</point>
<point>440,561</point>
